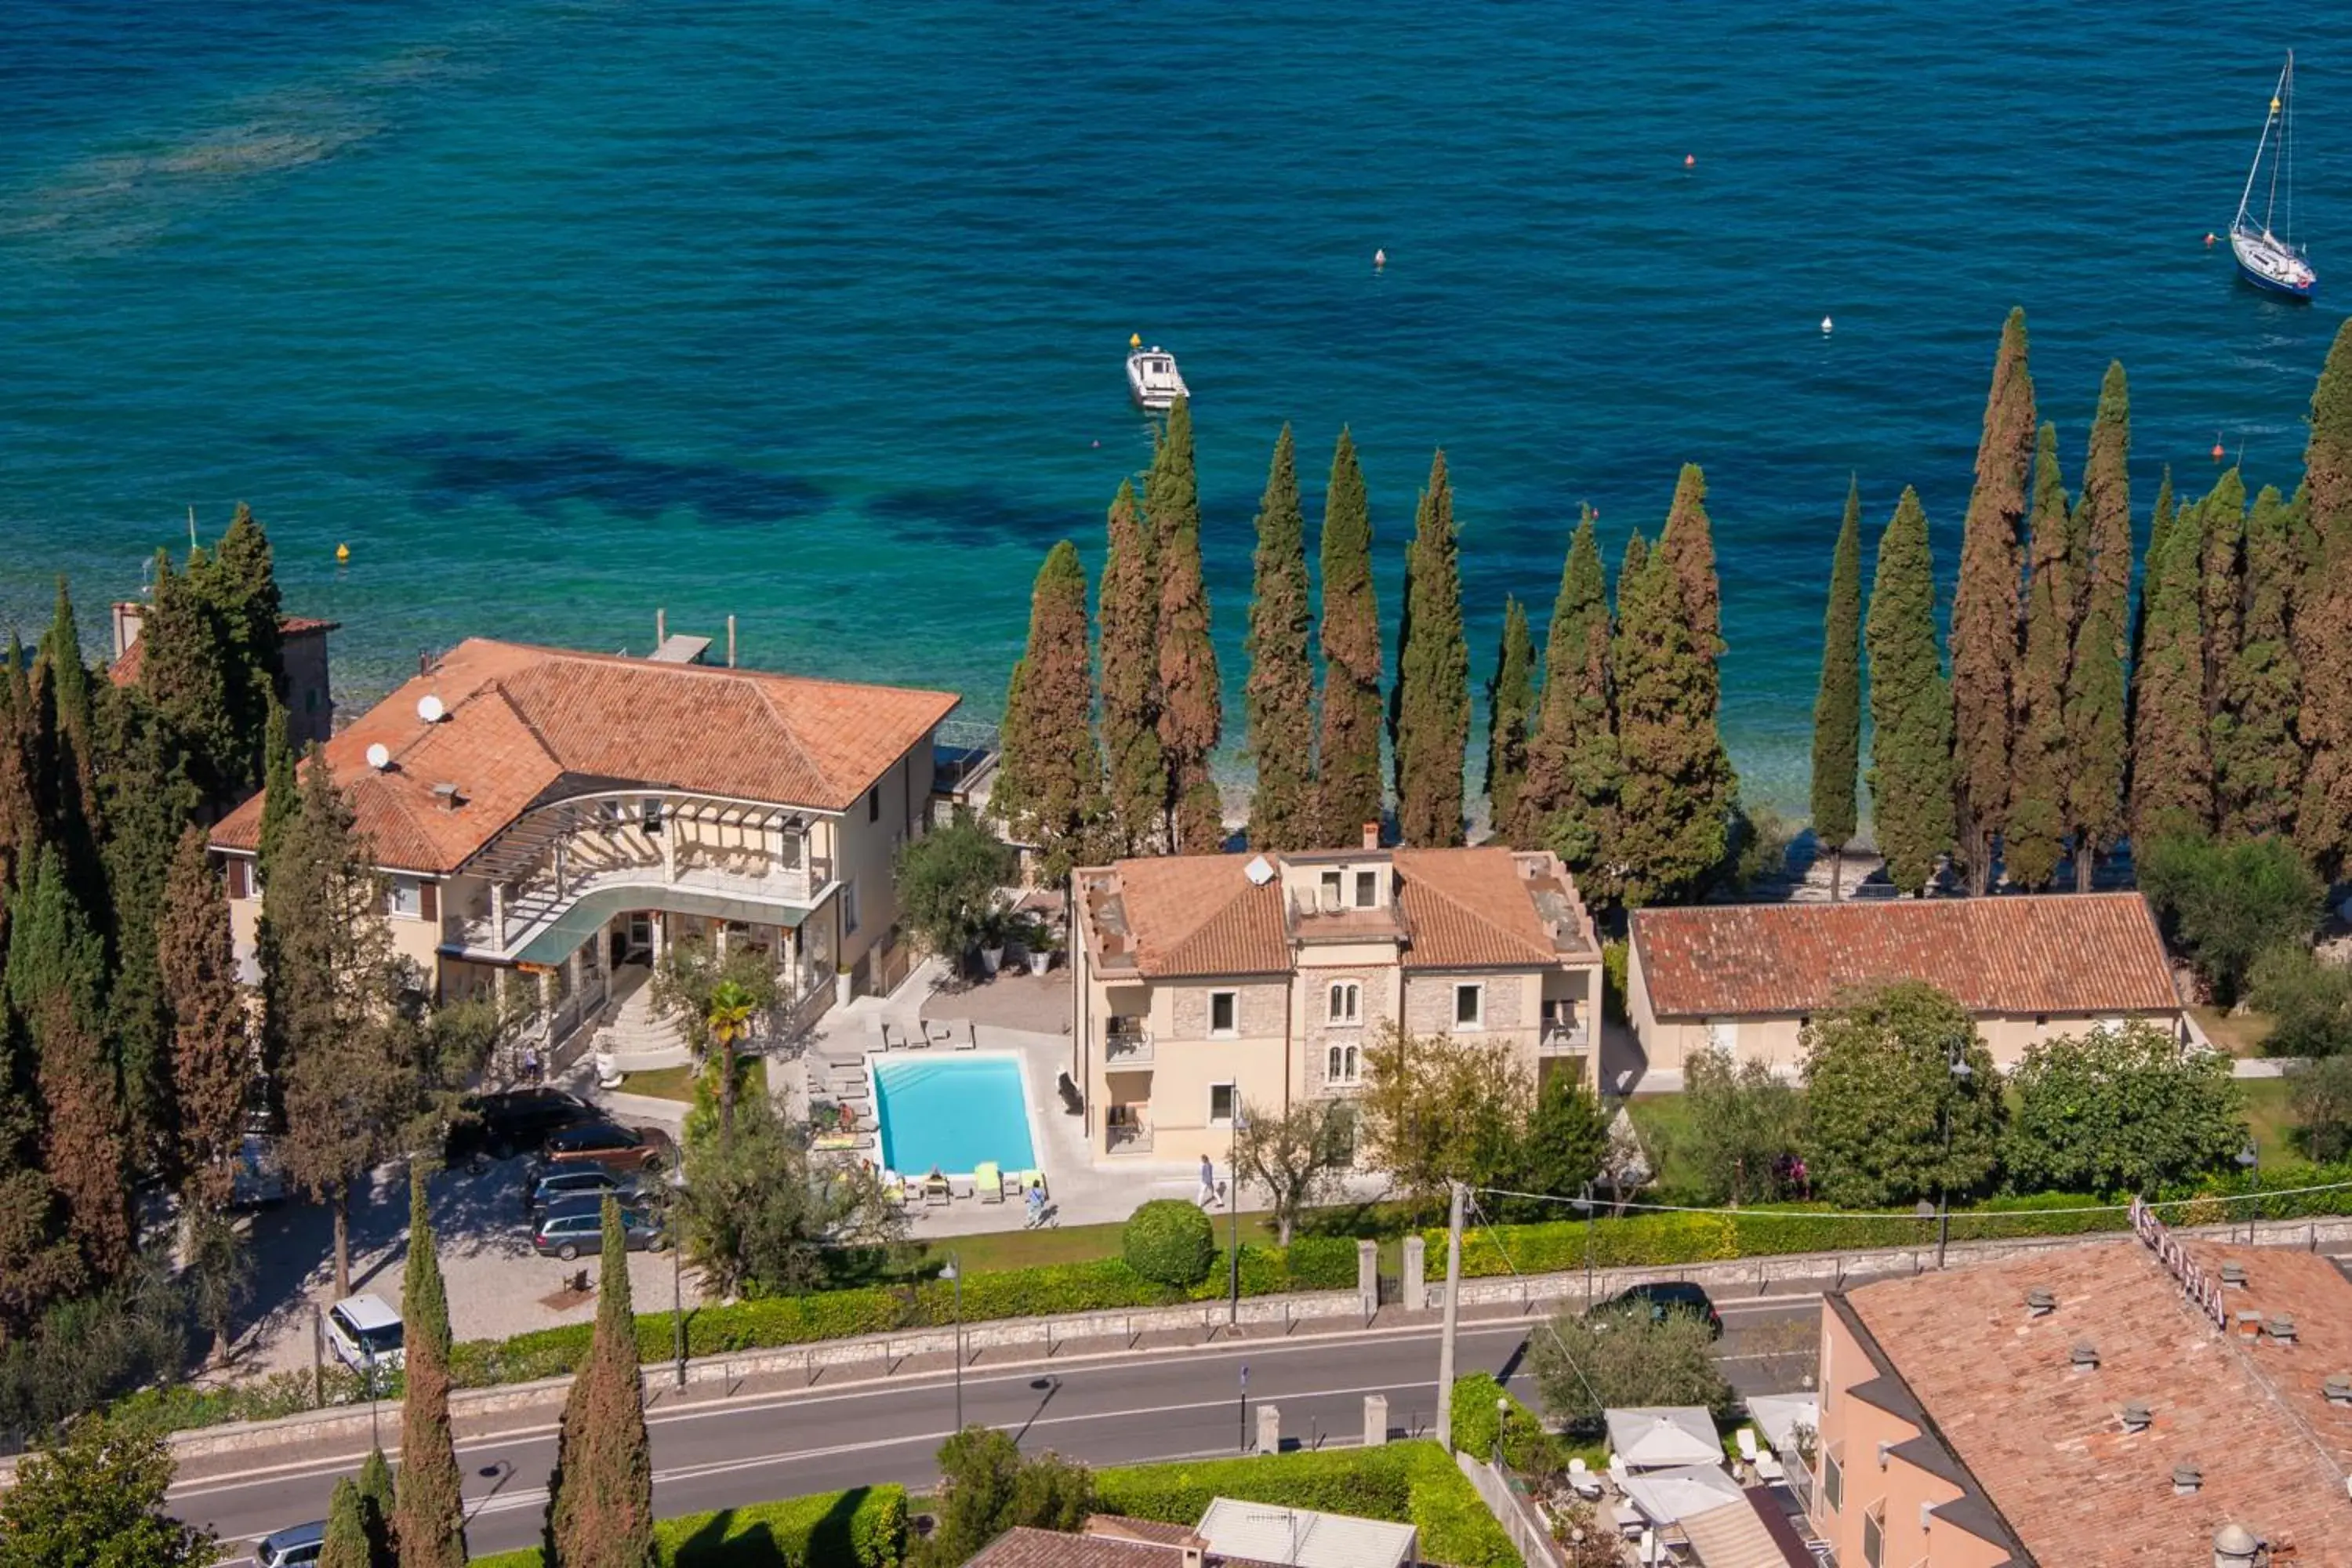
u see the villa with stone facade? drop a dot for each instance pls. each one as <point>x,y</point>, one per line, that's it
<point>555,820</point>
<point>1203,984</point>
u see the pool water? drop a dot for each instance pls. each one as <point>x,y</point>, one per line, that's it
<point>952,1113</point>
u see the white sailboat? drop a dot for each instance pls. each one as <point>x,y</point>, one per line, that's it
<point>2266,252</point>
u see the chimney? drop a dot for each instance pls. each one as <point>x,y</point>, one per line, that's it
<point>444,796</point>
<point>2084,1356</point>
<point>1195,1556</point>
<point>129,615</point>
<point>2235,1546</point>
<point>2339,1389</point>
<point>2137,1416</point>
<point>2280,1330</point>
<point>2187,1477</point>
<point>661,628</point>
<point>2040,1303</point>
<point>730,642</point>
<point>2250,1325</point>
<point>1372,836</point>
<point>2234,1276</point>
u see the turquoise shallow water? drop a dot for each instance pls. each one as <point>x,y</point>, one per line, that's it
<point>559,310</point>
<point>952,1113</point>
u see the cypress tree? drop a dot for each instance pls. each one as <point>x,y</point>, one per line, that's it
<point>183,666</point>
<point>281,797</point>
<point>1985,641</point>
<point>1348,783</point>
<point>2221,580</point>
<point>1131,681</point>
<point>348,1544</point>
<point>1910,705</point>
<point>2033,837</point>
<point>1510,702</point>
<point>2322,623</point>
<point>1281,689</point>
<point>1049,777</point>
<point>332,991</point>
<point>1192,699</point>
<point>2096,708</point>
<point>2172,770</point>
<point>241,584</point>
<point>212,1053</point>
<point>1431,730</point>
<point>600,1495</point>
<point>2257,763</point>
<point>1837,701</point>
<point>429,1516</point>
<point>1569,801</point>
<point>68,720</point>
<point>1676,790</point>
<point>376,1504</point>
<point>147,803</point>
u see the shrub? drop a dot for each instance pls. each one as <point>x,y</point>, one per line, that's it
<point>865,1527</point>
<point>2309,1001</point>
<point>1480,1407</point>
<point>1321,1262</point>
<point>1612,980</point>
<point>2228,903</point>
<point>1170,1242</point>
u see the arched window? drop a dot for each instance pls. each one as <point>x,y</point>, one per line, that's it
<point>1341,1065</point>
<point>1346,1003</point>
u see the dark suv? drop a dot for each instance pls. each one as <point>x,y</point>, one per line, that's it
<point>515,1121</point>
<point>1667,1295</point>
<point>611,1145</point>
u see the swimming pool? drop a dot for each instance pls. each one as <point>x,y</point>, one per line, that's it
<point>952,1113</point>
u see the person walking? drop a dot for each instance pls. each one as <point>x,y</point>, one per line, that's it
<point>1208,1195</point>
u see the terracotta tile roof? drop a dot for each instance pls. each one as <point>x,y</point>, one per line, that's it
<point>1456,909</point>
<point>2043,1442</point>
<point>1467,909</point>
<point>1023,1547</point>
<point>2079,952</point>
<point>520,717</point>
<point>124,671</point>
<point>1200,914</point>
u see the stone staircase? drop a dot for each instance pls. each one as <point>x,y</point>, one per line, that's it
<point>640,1038</point>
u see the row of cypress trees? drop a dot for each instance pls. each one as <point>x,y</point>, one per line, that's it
<point>123,1050</point>
<point>2066,724</point>
<point>1618,765</point>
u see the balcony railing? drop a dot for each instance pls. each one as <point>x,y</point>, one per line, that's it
<point>1564,1039</point>
<point>1126,1138</point>
<point>1127,1043</point>
<point>535,903</point>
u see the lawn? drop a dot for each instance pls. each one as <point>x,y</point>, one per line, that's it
<point>678,1083</point>
<point>2276,1134</point>
<point>2241,1035</point>
<point>1664,1122</point>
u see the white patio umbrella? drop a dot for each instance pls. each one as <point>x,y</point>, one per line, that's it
<point>1778,1414</point>
<point>1657,1438</point>
<point>1665,1496</point>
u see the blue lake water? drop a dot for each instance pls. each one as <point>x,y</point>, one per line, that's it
<point>952,1113</point>
<point>560,310</point>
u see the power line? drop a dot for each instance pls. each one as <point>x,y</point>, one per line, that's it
<point>1880,1214</point>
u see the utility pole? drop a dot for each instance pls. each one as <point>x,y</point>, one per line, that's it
<point>1446,1340</point>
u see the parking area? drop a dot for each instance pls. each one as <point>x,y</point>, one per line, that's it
<point>498,1285</point>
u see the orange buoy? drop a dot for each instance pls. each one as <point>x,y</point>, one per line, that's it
<point>2217,451</point>
<point>2208,239</point>
<point>1690,160</point>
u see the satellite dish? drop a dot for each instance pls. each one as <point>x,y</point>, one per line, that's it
<point>429,708</point>
<point>379,757</point>
<point>1260,870</point>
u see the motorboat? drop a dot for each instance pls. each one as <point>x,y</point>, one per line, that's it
<point>1152,378</point>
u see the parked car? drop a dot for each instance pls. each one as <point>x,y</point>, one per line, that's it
<point>259,1179</point>
<point>296,1546</point>
<point>365,1330</point>
<point>1668,1296</point>
<point>611,1145</point>
<point>514,1122</point>
<point>576,1226</point>
<point>557,1183</point>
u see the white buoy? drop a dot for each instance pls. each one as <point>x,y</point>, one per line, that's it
<point>1379,259</point>
<point>1826,326</point>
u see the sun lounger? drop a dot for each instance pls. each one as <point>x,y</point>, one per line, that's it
<point>936,1190</point>
<point>1022,1181</point>
<point>1583,1481</point>
<point>989,1182</point>
<point>971,1037</point>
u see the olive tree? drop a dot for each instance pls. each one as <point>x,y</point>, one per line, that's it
<point>2117,1110</point>
<point>1625,1354</point>
<point>948,882</point>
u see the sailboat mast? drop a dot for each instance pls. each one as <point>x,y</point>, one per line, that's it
<point>2280,111</point>
<point>2246,197</point>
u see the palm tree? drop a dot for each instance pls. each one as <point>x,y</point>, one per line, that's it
<point>729,1018</point>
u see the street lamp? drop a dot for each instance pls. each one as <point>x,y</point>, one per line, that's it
<point>2250,1159</point>
<point>1233,1205</point>
<point>1959,1072</point>
<point>673,1190</point>
<point>954,1275</point>
<point>1502,1413</point>
<point>1584,1201</point>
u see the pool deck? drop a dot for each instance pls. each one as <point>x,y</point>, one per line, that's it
<point>1082,1193</point>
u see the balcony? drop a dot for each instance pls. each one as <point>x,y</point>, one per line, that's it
<point>1126,1138</point>
<point>542,897</point>
<point>1127,1043</point>
<point>1563,1040</point>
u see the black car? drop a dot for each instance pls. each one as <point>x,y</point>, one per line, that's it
<point>515,1121</point>
<point>545,1185</point>
<point>1669,1296</point>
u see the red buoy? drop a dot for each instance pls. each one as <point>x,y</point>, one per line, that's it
<point>2217,451</point>
<point>1690,160</point>
<point>2208,239</point>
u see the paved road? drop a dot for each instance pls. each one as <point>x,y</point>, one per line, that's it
<point>1107,1410</point>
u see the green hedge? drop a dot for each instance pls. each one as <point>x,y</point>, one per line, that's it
<point>863,1528</point>
<point>1405,1483</point>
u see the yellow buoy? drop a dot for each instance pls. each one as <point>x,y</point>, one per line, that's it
<point>2274,106</point>
<point>1135,339</point>
<point>342,553</point>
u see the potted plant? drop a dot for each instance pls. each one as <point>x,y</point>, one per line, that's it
<point>1044,942</point>
<point>991,944</point>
